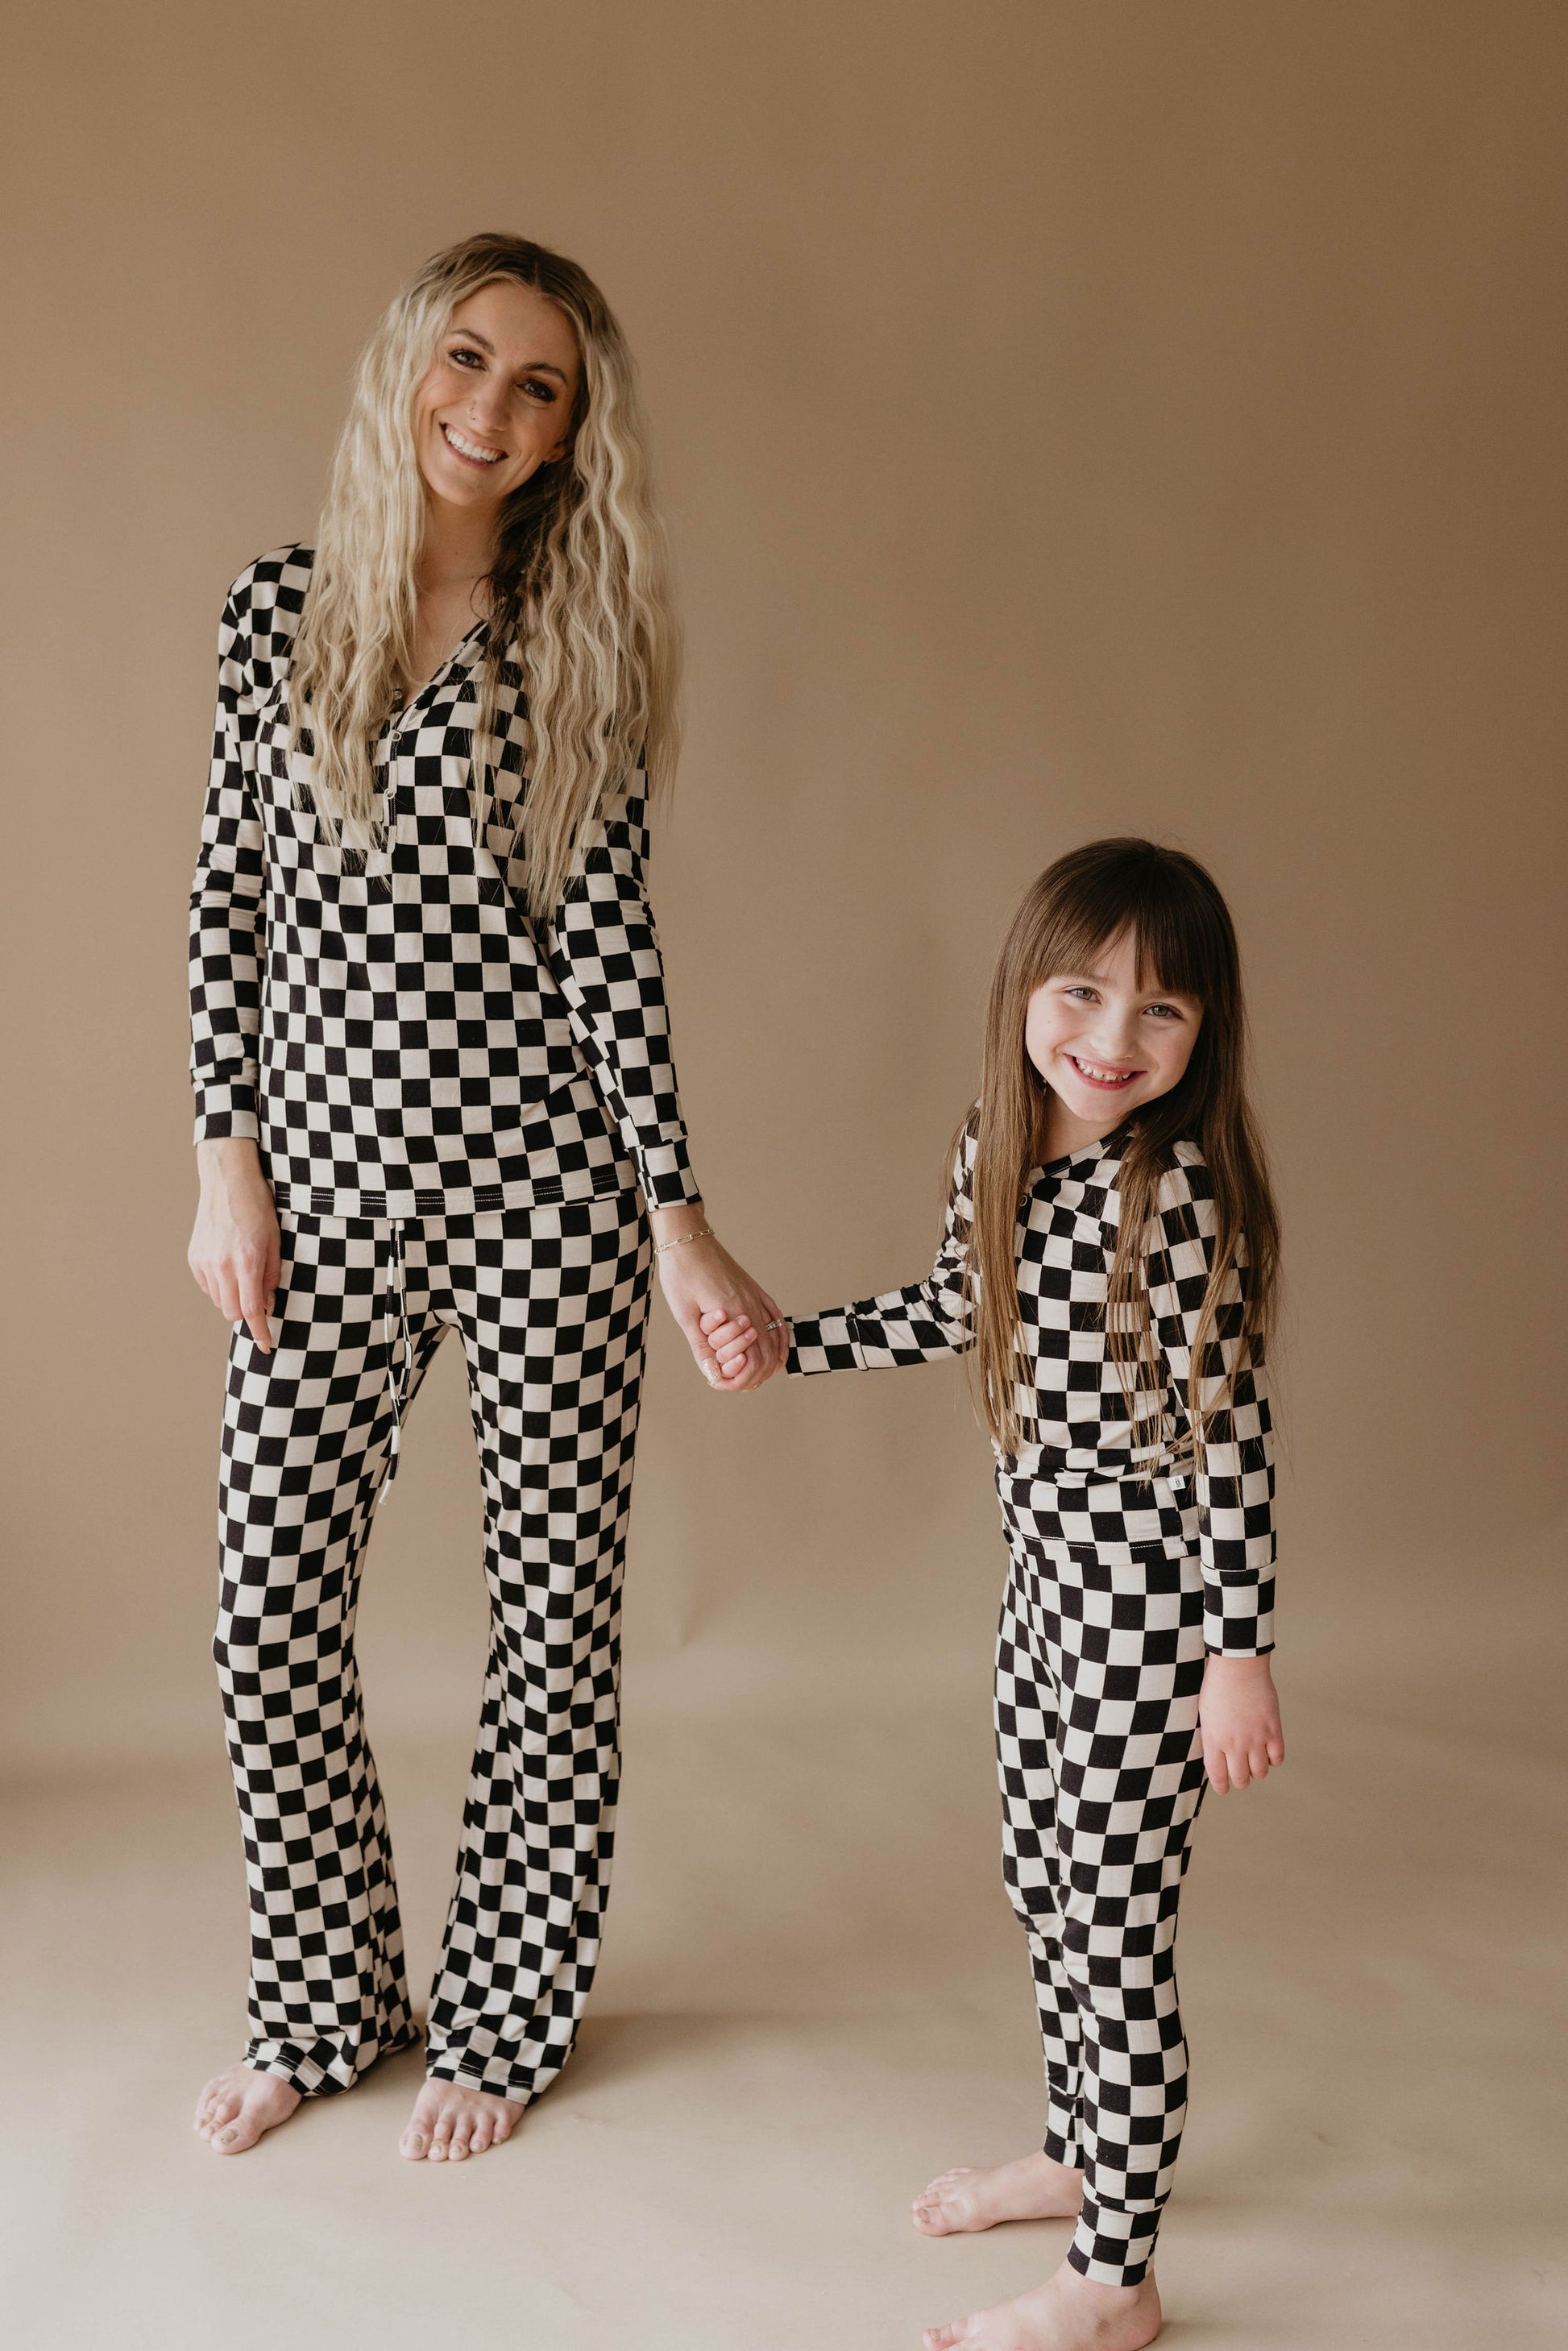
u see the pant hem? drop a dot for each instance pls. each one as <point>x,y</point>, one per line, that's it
<point>1104,2272</point>
<point>314,2081</point>
<point>496,2082</point>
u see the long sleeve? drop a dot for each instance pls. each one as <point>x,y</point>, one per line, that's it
<point>1235,1485</point>
<point>915,1325</point>
<point>603,949</point>
<point>226,902</point>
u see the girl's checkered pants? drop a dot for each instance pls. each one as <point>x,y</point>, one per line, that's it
<point>1100,1660</point>
<point>550,1305</point>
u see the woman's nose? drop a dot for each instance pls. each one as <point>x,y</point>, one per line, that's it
<point>487,404</point>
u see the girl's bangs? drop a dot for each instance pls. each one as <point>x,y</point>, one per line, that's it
<point>1180,937</point>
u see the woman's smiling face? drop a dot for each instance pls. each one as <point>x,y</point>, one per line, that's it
<point>496,403</point>
<point>1103,1044</point>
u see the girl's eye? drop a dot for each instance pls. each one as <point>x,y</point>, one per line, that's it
<point>1088,992</point>
<point>1166,1011</point>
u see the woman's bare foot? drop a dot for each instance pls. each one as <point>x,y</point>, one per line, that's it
<point>238,2106</point>
<point>1065,2314</point>
<point>449,2122</point>
<point>1032,2188</point>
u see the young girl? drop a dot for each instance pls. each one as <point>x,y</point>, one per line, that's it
<point>1110,1258</point>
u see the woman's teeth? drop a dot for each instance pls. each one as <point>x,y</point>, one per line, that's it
<point>1098,1077</point>
<point>473,450</point>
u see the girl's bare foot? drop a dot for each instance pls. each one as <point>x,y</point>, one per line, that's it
<point>449,2122</point>
<point>1032,2188</point>
<point>238,2107</point>
<point>1065,2314</point>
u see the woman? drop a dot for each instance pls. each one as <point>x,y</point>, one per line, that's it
<point>435,1091</point>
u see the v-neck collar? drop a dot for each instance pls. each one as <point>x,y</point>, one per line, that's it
<point>412,701</point>
<point>1102,1147</point>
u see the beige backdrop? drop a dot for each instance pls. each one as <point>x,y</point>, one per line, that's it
<point>1073,419</point>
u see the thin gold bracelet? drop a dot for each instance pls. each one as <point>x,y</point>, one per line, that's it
<point>704,1233</point>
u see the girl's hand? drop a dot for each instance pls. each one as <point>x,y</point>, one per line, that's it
<point>235,1251</point>
<point>705,1289</point>
<point>1238,1717</point>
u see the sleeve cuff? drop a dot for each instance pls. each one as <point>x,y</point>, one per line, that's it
<point>664,1172</point>
<point>226,1110</point>
<point>1239,1615</point>
<point>823,1342</point>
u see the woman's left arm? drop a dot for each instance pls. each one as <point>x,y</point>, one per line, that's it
<point>603,949</point>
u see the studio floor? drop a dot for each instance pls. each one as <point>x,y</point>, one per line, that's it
<point>814,1996</point>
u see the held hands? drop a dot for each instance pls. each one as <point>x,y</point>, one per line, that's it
<point>1239,1719</point>
<point>724,1315</point>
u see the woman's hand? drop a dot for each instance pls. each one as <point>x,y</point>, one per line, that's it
<point>1238,1717</point>
<point>705,1289</point>
<point>235,1251</point>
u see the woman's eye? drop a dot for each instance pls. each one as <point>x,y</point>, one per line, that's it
<point>464,358</point>
<point>538,390</point>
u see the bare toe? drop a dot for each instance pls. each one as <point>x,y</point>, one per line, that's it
<point>459,2144</point>
<point>217,2110</point>
<point>481,2139</point>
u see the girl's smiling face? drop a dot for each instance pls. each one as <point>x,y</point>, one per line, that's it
<point>1103,1044</point>
<point>496,403</point>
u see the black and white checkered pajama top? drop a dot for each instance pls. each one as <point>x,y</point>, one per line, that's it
<point>398,1035</point>
<point>1082,1460</point>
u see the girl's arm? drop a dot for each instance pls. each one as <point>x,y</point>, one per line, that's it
<point>1238,1711</point>
<point>915,1325</point>
<point>1235,1485</point>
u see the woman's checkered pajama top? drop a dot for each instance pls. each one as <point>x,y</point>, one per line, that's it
<point>1124,1568</point>
<point>457,1107</point>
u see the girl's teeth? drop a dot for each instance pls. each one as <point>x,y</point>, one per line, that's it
<point>1104,1076</point>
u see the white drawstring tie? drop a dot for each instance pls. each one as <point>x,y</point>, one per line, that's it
<point>395,1317</point>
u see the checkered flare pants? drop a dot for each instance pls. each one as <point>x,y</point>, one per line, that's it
<point>550,1306</point>
<point>1100,1659</point>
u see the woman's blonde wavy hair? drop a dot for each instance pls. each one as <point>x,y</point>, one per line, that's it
<point>1184,941</point>
<point>579,591</point>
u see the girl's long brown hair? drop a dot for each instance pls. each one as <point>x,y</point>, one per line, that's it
<point>1185,942</point>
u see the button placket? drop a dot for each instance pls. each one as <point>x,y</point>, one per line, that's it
<point>402,828</point>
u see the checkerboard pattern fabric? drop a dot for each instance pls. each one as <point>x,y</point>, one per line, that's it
<point>549,1306</point>
<point>396,1032</point>
<point>1076,1401</point>
<point>1099,1664</point>
<point>1126,1567</point>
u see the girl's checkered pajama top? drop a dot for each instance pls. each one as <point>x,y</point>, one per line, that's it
<point>457,1107</point>
<point>1124,1569</point>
